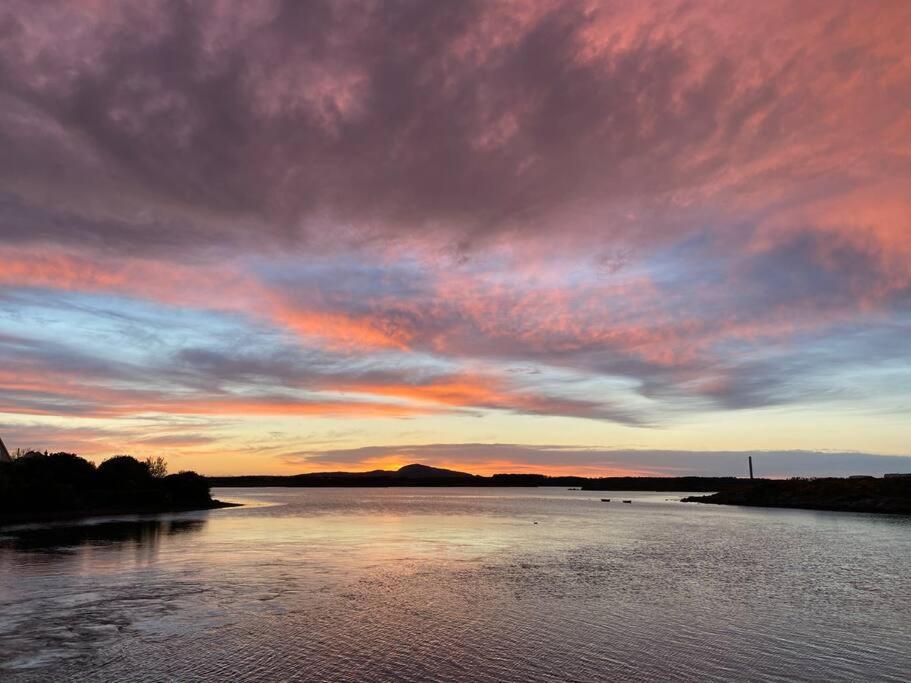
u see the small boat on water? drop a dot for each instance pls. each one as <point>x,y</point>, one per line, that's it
<point>605,500</point>
<point>627,501</point>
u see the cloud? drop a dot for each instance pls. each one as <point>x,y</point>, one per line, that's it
<point>497,457</point>
<point>51,378</point>
<point>318,208</point>
<point>178,440</point>
<point>193,124</point>
<point>99,442</point>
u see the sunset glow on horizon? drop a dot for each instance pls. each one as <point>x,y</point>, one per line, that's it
<point>599,238</point>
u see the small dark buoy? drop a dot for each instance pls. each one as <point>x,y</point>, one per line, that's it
<point>627,501</point>
<point>605,500</point>
<point>535,522</point>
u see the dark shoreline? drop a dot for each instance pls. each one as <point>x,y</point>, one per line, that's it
<point>820,507</point>
<point>73,515</point>
<point>430,477</point>
<point>881,496</point>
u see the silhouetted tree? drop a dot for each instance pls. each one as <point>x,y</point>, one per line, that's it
<point>42,484</point>
<point>158,467</point>
<point>123,471</point>
<point>186,488</point>
<point>70,468</point>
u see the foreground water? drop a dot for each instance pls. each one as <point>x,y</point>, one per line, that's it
<point>467,584</point>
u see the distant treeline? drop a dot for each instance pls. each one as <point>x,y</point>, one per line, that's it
<point>427,476</point>
<point>38,485</point>
<point>888,495</point>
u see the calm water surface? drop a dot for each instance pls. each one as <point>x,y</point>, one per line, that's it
<point>447,584</point>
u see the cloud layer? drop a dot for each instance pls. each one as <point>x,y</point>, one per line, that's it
<point>639,215</point>
<point>498,458</point>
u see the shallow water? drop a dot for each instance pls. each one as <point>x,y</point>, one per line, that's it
<point>447,584</point>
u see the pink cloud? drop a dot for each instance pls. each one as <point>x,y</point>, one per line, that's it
<point>691,198</point>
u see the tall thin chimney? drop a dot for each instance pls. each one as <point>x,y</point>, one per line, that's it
<point>750,459</point>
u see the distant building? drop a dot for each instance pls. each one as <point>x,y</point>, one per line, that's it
<point>861,476</point>
<point>897,475</point>
<point>4,454</point>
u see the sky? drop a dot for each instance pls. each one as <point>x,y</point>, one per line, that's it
<point>564,237</point>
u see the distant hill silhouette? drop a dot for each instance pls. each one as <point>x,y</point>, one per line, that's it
<point>418,471</point>
<point>417,474</point>
<point>410,475</point>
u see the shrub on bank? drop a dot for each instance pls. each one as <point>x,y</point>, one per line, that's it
<point>62,482</point>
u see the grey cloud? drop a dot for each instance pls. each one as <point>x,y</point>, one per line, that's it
<point>666,463</point>
<point>175,128</point>
<point>391,116</point>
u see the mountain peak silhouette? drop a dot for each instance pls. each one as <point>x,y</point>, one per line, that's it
<point>419,471</point>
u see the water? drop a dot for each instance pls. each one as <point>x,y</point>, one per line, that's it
<point>459,584</point>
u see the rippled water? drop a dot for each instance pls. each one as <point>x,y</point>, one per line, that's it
<point>459,584</point>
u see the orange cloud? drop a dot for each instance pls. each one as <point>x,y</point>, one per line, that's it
<point>218,288</point>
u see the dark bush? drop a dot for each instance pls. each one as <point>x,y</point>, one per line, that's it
<point>186,488</point>
<point>46,485</point>
<point>124,471</point>
<point>70,468</point>
<point>60,481</point>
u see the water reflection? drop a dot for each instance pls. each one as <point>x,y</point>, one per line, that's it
<point>145,534</point>
<point>87,546</point>
<point>71,591</point>
<point>486,585</point>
